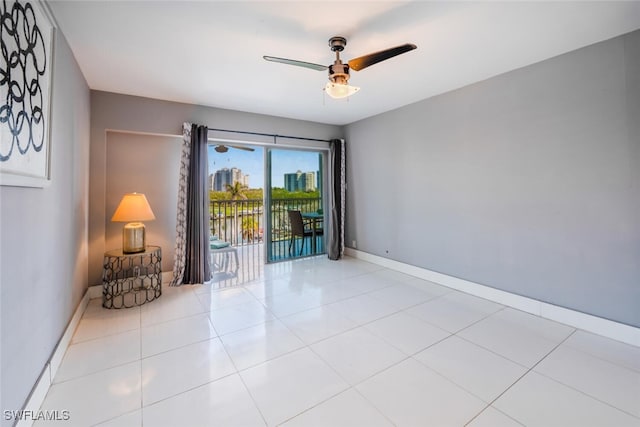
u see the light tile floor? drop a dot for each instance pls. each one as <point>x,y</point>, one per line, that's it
<point>314,342</point>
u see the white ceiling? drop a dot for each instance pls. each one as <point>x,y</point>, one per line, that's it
<point>210,52</point>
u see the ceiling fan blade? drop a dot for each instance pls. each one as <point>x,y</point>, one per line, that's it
<point>316,67</point>
<point>373,58</point>
<point>240,147</point>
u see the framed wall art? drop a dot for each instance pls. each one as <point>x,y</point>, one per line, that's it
<point>27,33</point>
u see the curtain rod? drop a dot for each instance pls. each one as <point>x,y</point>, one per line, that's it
<point>270,135</point>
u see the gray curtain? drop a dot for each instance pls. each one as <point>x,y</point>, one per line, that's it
<point>337,189</point>
<point>192,241</point>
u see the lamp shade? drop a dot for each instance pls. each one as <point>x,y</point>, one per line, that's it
<point>133,207</point>
<point>338,90</point>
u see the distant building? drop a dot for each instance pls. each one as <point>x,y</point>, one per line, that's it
<point>290,181</point>
<point>300,181</point>
<point>225,176</point>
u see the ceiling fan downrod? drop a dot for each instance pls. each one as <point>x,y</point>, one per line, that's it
<point>338,72</point>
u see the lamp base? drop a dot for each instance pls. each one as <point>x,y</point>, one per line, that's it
<point>133,240</point>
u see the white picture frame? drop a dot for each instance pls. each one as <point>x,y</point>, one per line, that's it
<point>25,94</point>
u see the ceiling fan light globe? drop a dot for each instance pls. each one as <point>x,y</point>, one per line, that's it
<point>338,91</point>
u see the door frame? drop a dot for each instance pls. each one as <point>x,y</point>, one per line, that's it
<point>323,159</point>
<point>321,147</point>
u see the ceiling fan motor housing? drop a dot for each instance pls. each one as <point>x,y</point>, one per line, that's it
<point>339,72</point>
<point>337,43</point>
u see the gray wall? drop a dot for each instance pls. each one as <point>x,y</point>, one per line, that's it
<point>144,164</point>
<point>123,113</point>
<point>43,241</point>
<point>528,182</point>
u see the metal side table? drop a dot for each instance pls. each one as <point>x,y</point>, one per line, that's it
<point>130,280</point>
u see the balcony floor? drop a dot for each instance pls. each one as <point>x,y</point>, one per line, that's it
<point>251,259</point>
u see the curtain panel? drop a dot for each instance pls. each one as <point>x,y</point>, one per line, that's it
<point>191,263</point>
<point>337,186</point>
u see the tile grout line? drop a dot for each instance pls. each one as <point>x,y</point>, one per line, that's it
<point>587,394</point>
<point>315,405</point>
<point>495,409</point>
<point>141,358</point>
<point>189,389</point>
<point>373,405</point>
<point>602,358</point>
<point>237,372</point>
<point>522,376</point>
<point>350,386</point>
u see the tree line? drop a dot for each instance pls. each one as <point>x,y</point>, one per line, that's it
<point>239,192</point>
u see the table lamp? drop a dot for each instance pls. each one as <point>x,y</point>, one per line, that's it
<point>133,209</point>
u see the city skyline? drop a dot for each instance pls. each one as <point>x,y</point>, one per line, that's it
<point>219,179</point>
<point>252,163</point>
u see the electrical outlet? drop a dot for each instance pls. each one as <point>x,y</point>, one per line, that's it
<point>353,243</point>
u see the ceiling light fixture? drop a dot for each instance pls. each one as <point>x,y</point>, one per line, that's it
<point>338,86</point>
<point>338,90</point>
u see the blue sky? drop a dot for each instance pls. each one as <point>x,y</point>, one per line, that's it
<point>252,163</point>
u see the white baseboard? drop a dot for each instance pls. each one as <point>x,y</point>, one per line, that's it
<point>597,325</point>
<point>95,291</point>
<point>41,388</point>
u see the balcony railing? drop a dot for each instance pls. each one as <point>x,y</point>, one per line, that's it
<point>242,222</point>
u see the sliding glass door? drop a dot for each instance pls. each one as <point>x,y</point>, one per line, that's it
<point>266,202</point>
<point>294,203</point>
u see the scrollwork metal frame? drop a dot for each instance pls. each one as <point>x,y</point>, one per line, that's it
<point>130,280</point>
<point>26,78</point>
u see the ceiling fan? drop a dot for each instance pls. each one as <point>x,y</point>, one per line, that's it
<point>338,86</point>
<point>224,148</point>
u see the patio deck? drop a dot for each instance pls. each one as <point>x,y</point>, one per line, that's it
<point>251,258</point>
